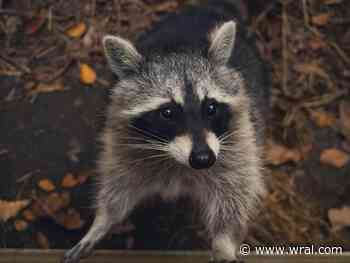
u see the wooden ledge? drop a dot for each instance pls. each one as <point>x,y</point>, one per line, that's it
<point>127,256</point>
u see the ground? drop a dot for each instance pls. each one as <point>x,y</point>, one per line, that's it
<point>55,84</point>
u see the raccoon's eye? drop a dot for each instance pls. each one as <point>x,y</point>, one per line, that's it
<point>166,113</point>
<point>211,109</point>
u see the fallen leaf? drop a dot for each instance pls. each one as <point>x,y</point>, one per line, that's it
<point>167,7</point>
<point>339,217</point>
<point>9,209</point>
<point>344,114</point>
<point>322,118</point>
<point>46,185</point>
<point>334,157</point>
<point>321,19</point>
<point>76,31</point>
<point>69,181</point>
<point>87,74</point>
<point>277,154</point>
<point>46,88</point>
<point>20,225</point>
<point>28,215</point>
<point>70,220</point>
<point>42,241</point>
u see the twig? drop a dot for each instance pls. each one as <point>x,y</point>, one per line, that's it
<point>27,176</point>
<point>262,16</point>
<point>93,8</point>
<point>10,12</point>
<point>324,99</point>
<point>49,18</point>
<point>340,52</point>
<point>58,73</point>
<point>117,6</point>
<point>22,68</point>
<point>284,49</point>
<point>13,73</point>
<point>43,52</point>
<point>306,13</point>
<point>330,43</point>
<point>103,82</point>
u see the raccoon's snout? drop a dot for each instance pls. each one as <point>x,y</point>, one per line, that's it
<point>202,158</point>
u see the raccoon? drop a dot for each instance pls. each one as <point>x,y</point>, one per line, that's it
<point>186,118</point>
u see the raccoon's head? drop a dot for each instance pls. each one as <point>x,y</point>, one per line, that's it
<point>180,106</point>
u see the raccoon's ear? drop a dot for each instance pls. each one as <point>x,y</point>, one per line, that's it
<point>222,41</point>
<point>121,55</point>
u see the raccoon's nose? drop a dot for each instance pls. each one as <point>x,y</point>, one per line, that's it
<point>203,159</point>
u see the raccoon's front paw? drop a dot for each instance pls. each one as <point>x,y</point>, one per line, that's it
<point>79,251</point>
<point>226,261</point>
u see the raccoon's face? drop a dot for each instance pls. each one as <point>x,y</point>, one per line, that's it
<point>181,106</point>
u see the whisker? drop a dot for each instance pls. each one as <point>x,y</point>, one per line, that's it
<point>143,146</point>
<point>148,133</point>
<point>143,140</point>
<point>140,160</point>
<point>226,136</point>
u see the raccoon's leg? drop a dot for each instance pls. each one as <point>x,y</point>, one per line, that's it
<point>225,247</point>
<point>224,225</point>
<point>101,225</point>
<point>112,209</point>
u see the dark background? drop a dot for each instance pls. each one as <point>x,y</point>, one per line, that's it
<point>49,120</point>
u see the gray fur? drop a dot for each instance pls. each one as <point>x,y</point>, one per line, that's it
<point>222,43</point>
<point>228,194</point>
<point>121,55</point>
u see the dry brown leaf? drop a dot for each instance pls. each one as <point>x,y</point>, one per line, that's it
<point>167,7</point>
<point>322,19</point>
<point>46,185</point>
<point>312,68</point>
<point>87,74</point>
<point>69,181</point>
<point>334,157</point>
<point>322,118</point>
<point>20,225</point>
<point>46,88</point>
<point>42,241</point>
<point>339,217</point>
<point>277,154</point>
<point>76,31</point>
<point>70,220</point>
<point>28,215</point>
<point>9,209</point>
<point>344,114</point>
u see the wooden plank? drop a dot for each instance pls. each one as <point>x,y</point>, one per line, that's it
<point>109,256</point>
